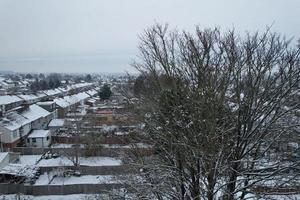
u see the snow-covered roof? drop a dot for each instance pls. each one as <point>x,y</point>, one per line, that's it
<point>61,102</point>
<point>39,134</point>
<point>56,123</point>
<point>45,103</point>
<point>3,156</point>
<point>71,100</point>
<point>82,96</point>
<point>28,171</point>
<point>81,85</point>
<point>52,92</point>
<point>63,89</point>
<point>91,100</point>
<point>91,92</point>
<point>29,97</point>
<point>35,112</point>
<point>8,99</point>
<point>40,95</point>
<point>14,120</point>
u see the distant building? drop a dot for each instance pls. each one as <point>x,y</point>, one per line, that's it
<point>16,125</point>
<point>9,102</point>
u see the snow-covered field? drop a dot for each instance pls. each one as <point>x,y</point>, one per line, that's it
<point>87,179</point>
<point>29,159</point>
<point>86,161</point>
<point>65,146</point>
<point>44,179</point>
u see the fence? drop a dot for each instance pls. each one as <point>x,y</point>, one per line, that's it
<point>109,152</point>
<point>95,170</point>
<point>57,189</point>
<point>106,140</point>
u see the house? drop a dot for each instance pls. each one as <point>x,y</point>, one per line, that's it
<point>53,93</point>
<point>29,98</point>
<point>13,127</point>
<point>38,116</point>
<point>63,107</point>
<point>50,106</point>
<point>68,103</point>
<point>39,138</point>
<point>16,125</point>
<point>9,102</point>
<point>32,98</point>
<point>92,93</point>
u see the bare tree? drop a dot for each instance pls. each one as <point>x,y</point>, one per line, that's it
<point>215,105</point>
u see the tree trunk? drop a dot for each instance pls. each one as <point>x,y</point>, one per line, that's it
<point>232,182</point>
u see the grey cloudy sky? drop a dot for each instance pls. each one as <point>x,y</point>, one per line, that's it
<point>101,35</point>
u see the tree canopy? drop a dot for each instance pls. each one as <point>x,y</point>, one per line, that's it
<point>214,105</point>
<point>105,92</point>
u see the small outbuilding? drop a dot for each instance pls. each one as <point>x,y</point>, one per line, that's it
<point>39,138</point>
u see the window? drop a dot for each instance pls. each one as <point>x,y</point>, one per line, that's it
<point>33,139</point>
<point>47,138</point>
<point>28,141</point>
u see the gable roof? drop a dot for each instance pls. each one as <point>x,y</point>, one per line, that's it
<point>8,99</point>
<point>35,112</point>
<point>14,120</point>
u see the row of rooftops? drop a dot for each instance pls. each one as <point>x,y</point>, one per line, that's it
<point>9,99</point>
<point>15,119</point>
<point>67,101</point>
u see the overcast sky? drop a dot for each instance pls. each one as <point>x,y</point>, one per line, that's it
<point>102,35</point>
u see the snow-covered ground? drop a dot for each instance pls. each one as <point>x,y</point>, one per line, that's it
<point>87,179</point>
<point>65,146</point>
<point>86,161</point>
<point>44,179</point>
<point>29,159</point>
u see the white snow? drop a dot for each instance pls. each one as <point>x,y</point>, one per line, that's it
<point>88,179</point>
<point>56,123</point>
<point>28,97</point>
<point>45,178</point>
<point>88,161</point>
<point>39,134</point>
<point>13,121</point>
<point>3,155</point>
<point>65,146</point>
<point>45,103</point>
<point>7,99</point>
<point>61,161</point>
<point>35,112</point>
<point>29,159</point>
<point>20,170</point>
<point>100,161</point>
